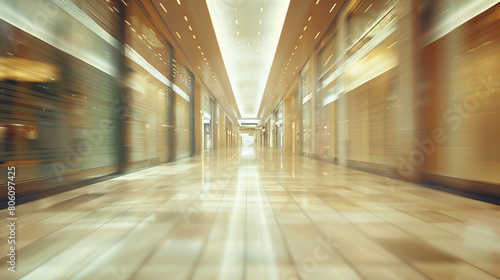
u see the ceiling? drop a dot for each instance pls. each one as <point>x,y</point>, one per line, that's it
<point>248,33</point>
<point>241,49</point>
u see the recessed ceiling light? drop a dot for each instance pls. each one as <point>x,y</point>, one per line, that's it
<point>199,47</point>
<point>236,21</point>
<point>368,8</point>
<point>127,22</point>
<point>189,26</point>
<point>309,19</point>
<point>132,29</point>
<point>179,2</point>
<point>392,45</point>
<point>185,18</point>
<point>333,7</point>
<point>296,46</point>
<point>194,37</point>
<point>316,36</point>
<point>300,37</point>
<point>261,9</point>
<point>163,7</point>
<point>178,34</point>
<point>317,1</point>
<point>305,27</point>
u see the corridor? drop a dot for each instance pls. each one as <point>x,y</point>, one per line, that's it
<point>255,214</point>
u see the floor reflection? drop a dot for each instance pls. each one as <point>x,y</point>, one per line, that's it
<point>255,214</point>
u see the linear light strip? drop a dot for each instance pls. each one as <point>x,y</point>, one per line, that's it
<point>460,16</point>
<point>136,57</point>
<point>20,21</point>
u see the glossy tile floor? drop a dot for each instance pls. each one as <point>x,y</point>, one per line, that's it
<point>254,215</point>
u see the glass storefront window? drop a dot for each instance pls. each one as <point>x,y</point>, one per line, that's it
<point>306,89</point>
<point>58,83</point>
<point>327,56</point>
<point>207,122</point>
<point>364,16</point>
<point>149,93</point>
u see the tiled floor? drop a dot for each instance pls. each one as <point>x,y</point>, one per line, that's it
<point>254,215</point>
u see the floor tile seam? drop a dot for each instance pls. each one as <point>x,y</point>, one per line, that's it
<point>104,194</point>
<point>221,170</point>
<point>410,212</point>
<point>340,254</point>
<point>201,191</point>
<point>153,252</point>
<point>437,248</point>
<point>415,186</point>
<point>59,213</point>
<point>320,233</point>
<point>80,218</point>
<point>205,239</point>
<point>294,263</point>
<point>400,225</point>
<point>245,235</point>
<point>73,244</point>
<point>132,229</point>
<point>91,260</point>
<point>414,267</point>
<point>74,221</point>
<point>370,238</point>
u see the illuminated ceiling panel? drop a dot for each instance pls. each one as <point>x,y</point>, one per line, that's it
<point>248,32</point>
